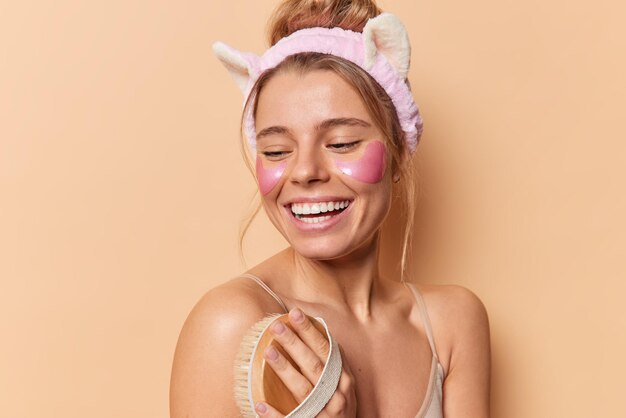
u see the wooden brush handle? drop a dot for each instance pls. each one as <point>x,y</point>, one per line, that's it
<point>267,386</point>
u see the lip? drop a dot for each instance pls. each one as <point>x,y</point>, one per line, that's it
<point>319,226</point>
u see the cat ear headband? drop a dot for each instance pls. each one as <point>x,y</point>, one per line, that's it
<point>383,50</point>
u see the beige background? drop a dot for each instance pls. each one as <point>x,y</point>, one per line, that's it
<point>118,130</point>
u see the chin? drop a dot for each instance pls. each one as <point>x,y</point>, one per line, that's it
<point>320,249</point>
<point>329,248</point>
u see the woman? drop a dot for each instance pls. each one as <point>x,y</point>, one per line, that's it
<point>332,141</point>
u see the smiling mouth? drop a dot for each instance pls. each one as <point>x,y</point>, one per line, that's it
<point>318,212</point>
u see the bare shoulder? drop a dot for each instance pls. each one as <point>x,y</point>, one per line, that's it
<point>461,330</point>
<point>454,302</point>
<point>202,373</point>
<point>457,316</point>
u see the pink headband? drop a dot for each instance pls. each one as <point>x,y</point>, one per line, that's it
<point>383,50</point>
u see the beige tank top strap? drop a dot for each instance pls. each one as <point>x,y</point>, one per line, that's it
<point>266,287</point>
<point>424,314</point>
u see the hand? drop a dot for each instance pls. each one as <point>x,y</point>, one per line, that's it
<point>309,350</point>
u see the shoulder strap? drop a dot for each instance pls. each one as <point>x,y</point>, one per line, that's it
<point>424,314</point>
<point>266,287</point>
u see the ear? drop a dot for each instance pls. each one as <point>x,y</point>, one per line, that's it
<point>387,35</point>
<point>241,65</point>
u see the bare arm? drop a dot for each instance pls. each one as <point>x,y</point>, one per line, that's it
<point>202,373</point>
<point>466,390</point>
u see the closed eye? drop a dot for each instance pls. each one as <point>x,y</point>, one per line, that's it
<point>274,153</point>
<point>344,145</point>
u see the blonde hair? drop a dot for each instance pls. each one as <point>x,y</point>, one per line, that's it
<point>293,15</point>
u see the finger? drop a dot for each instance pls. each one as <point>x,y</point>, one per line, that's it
<point>299,385</point>
<point>309,334</point>
<point>342,400</point>
<point>267,411</point>
<point>346,382</point>
<point>337,405</point>
<point>344,361</point>
<point>310,364</point>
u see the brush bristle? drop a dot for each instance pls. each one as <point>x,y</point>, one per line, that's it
<point>243,362</point>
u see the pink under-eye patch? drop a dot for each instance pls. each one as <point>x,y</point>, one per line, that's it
<point>268,178</point>
<point>370,168</point>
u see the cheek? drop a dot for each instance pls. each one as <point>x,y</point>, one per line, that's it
<point>370,168</point>
<point>268,178</point>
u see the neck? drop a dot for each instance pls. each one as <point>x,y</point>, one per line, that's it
<point>345,283</point>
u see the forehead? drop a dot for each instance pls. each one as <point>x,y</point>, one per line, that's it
<point>300,101</point>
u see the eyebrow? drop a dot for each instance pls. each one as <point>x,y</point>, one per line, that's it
<point>324,125</point>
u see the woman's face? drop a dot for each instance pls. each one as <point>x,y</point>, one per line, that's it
<point>318,150</point>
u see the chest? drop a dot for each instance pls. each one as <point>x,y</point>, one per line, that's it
<point>392,370</point>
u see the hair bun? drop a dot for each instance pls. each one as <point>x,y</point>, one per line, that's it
<point>293,15</point>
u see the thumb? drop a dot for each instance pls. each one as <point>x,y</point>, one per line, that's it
<point>344,361</point>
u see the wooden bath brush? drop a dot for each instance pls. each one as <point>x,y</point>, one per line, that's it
<point>256,381</point>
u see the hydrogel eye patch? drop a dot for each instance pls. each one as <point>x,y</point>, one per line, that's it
<point>268,178</point>
<point>370,168</point>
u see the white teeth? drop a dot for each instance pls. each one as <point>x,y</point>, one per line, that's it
<point>315,208</point>
<point>315,220</point>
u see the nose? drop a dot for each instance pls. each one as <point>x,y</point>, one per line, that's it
<point>310,167</point>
